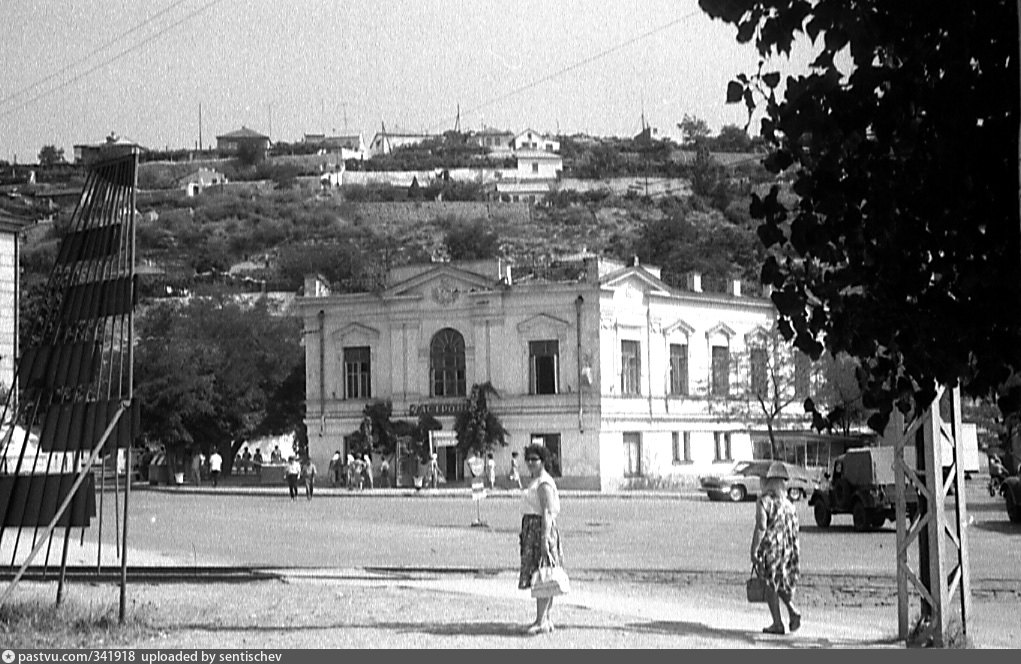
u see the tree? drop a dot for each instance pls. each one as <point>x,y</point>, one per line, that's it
<point>205,373</point>
<point>902,246</point>
<point>478,429</point>
<point>51,155</point>
<point>693,131</point>
<point>732,139</point>
<point>471,242</point>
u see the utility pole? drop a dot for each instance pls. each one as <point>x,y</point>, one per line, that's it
<point>200,126</point>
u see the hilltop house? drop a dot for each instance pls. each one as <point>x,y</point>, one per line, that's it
<point>494,140</point>
<point>233,143</point>
<point>351,146</point>
<point>385,142</point>
<point>533,140</point>
<point>197,181</point>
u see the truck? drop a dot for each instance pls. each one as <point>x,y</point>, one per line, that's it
<point>860,483</point>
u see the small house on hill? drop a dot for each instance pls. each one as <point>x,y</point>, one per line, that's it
<point>235,142</point>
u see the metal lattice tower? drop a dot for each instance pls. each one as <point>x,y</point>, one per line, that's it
<point>939,532</point>
<point>75,378</point>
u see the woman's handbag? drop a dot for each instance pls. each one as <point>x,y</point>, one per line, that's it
<point>755,589</point>
<point>549,581</point>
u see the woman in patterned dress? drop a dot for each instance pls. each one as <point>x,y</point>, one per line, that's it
<point>539,538</point>
<point>775,550</point>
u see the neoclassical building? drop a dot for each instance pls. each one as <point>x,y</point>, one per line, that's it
<point>619,374</point>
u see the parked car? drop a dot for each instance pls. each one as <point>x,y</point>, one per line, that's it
<point>744,480</point>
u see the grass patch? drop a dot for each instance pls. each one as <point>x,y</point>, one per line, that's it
<point>40,623</point>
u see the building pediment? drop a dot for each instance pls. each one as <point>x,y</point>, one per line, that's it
<point>443,284</point>
<point>543,323</point>
<point>679,327</point>
<point>635,278</point>
<point>720,330</point>
<point>354,332</point>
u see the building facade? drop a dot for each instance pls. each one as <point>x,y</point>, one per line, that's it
<point>620,375</point>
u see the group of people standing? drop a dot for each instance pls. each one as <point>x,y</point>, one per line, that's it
<point>355,472</point>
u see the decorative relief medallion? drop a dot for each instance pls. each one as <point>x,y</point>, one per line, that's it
<point>445,292</point>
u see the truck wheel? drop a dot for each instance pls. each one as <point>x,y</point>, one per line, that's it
<point>1013,509</point>
<point>737,493</point>
<point>823,516</point>
<point>877,521</point>
<point>860,516</point>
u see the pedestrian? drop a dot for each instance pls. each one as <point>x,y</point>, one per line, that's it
<point>540,537</point>
<point>276,456</point>
<point>246,461</point>
<point>515,473</point>
<point>334,469</point>
<point>257,463</point>
<point>491,471</point>
<point>367,469</point>
<point>352,472</point>
<point>197,459</point>
<point>292,472</point>
<point>434,471</point>
<point>384,473</point>
<point>215,463</point>
<point>308,475</point>
<point>775,550</point>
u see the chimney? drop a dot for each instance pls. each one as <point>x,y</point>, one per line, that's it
<point>694,281</point>
<point>736,287</point>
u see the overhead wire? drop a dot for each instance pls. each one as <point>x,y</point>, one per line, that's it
<point>112,58</point>
<point>93,53</point>
<point>571,67</point>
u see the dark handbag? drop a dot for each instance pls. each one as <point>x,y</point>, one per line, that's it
<point>755,588</point>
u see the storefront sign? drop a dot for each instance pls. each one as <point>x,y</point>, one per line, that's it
<point>443,438</point>
<point>437,408</point>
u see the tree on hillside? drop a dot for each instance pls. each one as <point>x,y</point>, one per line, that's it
<point>693,131</point>
<point>50,155</point>
<point>902,249</point>
<point>205,373</point>
<point>472,241</point>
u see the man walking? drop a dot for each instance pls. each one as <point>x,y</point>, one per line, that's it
<point>215,463</point>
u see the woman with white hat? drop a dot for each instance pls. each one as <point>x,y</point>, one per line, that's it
<point>775,550</point>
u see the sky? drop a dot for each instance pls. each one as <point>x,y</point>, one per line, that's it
<point>159,72</point>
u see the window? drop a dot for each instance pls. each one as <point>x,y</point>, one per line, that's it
<point>679,369</point>
<point>551,441</point>
<point>543,366</point>
<point>802,375</point>
<point>759,371</point>
<point>681,447</point>
<point>722,446</point>
<point>632,454</point>
<point>721,371</point>
<point>535,167</point>
<point>357,373</point>
<point>631,368</point>
<point>446,364</point>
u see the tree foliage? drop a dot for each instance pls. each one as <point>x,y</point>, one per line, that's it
<point>51,155</point>
<point>478,429</point>
<point>206,374</point>
<point>902,248</point>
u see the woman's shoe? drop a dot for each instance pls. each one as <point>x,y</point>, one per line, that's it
<point>773,629</point>
<point>795,622</point>
<point>533,629</point>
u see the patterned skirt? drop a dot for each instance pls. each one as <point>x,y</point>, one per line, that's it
<point>533,548</point>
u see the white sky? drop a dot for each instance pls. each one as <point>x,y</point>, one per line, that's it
<point>286,68</point>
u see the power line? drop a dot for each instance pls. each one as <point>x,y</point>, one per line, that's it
<point>111,59</point>
<point>88,57</point>
<point>572,67</point>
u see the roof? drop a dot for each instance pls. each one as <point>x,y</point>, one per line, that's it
<point>244,132</point>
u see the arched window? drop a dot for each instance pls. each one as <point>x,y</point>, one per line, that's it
<point>446,364</point>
